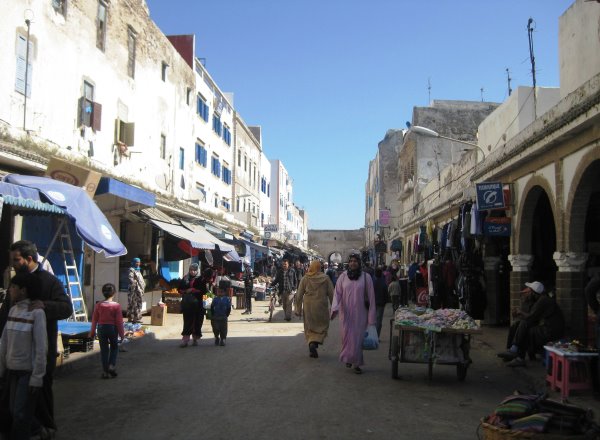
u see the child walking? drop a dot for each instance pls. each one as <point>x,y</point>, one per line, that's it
<point>220,309</point>
<point>23,349</point>
<point>109,318</point>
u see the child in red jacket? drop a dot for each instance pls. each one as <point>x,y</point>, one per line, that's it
<point>109,318</point>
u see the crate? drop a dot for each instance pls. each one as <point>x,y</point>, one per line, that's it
<point>78,344</point>
<point>173,306</point>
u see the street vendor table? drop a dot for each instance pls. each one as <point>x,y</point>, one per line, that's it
<point>419,345</point>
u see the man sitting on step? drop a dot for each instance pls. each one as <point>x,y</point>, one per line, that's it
<point>540,320</point>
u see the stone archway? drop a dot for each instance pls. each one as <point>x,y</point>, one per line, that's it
<point>537,231</point>
<point>583,207</point>
<point>582,249</point>
<point>335,257</point>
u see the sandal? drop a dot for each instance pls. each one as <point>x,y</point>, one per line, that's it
<point>348,365</point>
<point>312,347</point>
<point>358,370</point>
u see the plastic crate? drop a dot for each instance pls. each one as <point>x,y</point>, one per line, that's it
<point>78,344</point>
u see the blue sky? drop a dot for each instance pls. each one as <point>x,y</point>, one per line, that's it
<point>327,78</point>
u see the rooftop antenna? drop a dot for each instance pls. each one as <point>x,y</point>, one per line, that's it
<point>481,94</point>
<point>508,78</point>
<point>530,29</point>
<point>429,89</point>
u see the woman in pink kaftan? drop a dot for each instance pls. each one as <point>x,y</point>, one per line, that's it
<point>354,300</point>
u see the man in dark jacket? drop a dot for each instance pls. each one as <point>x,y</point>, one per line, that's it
<point>286,284</point>
<point>543,323</point>
<point>56,304</point>
<point>381,297</point>
<point>248,286</point>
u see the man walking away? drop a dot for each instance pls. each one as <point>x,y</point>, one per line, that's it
<point>248,286</point>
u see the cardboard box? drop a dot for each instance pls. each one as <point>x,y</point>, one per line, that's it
<point>158,315</point>
<point>74,175</point>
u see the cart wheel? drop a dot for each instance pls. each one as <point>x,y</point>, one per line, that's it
<point>461,371</point>
<point>395,348</point>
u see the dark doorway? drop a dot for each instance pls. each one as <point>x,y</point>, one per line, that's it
<point>543,243</point>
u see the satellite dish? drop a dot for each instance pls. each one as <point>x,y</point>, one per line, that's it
<point>336,257</point>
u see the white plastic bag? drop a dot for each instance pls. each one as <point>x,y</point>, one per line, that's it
<point>371,340</point>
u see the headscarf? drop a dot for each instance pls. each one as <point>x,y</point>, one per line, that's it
<point>314,268</point>
<point>194,266</point>
<point>354,274</point>
<point>134,262</point>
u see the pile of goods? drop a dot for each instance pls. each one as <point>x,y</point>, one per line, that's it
<point>535,416</point>
<point>573,346</point>
<point>133,331</point>
<point>435,320</point>
<point>263,279</point>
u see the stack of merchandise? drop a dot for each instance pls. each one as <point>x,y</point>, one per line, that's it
<point>133,331</point>
<point>535,416</point>
<point>435,320</point>
<point>573,346</point>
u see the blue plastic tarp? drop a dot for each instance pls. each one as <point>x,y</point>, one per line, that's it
<point>73,328</point>
<point>91,224</point>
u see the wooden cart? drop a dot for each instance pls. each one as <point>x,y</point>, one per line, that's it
<point>410,344</point>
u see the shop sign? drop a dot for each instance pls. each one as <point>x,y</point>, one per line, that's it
<point>384,217</point>
<point>73,175</point>
<point>497,226</point>
<point>271,228</point>
<point>489,196</point>
<point>267,235</point>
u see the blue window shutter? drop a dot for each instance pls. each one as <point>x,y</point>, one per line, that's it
<point>20,74</point>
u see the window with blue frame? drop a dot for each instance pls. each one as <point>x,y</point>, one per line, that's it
<point>215,166</point>
<point>263,185</point>
<point>226,175</point>
<point>181,158</point>
<point>201,154</point>
<point>217,124</point>
<point>226,134</point>
<point>225,204</point>
<point>202,108</point>
<point>269,189</point>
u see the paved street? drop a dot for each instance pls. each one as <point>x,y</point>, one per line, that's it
<point>263,385</point>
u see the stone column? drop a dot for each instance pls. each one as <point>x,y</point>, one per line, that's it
<point>521,266</point>
<point>570,284</point>
<point>492,314</point>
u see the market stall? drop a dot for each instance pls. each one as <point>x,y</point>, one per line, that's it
<point>426,336</point>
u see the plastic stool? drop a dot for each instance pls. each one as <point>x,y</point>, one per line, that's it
<point>571,374</point>
<point>551,369</point>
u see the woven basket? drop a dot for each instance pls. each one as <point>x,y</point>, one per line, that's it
<point>491,432</point>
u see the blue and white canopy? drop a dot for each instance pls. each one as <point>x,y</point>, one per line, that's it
<point>91,224</point>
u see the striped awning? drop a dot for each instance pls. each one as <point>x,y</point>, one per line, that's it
<point>26,198</point>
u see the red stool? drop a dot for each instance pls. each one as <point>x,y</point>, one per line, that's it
<point>569,371</point>
<point>551,369</point>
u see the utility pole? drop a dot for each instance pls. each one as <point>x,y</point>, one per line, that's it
<point>508,78</point>
<point>28,23</point>
<point>429,90</point>
<point>530,29</point>
<point>481,94</point>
